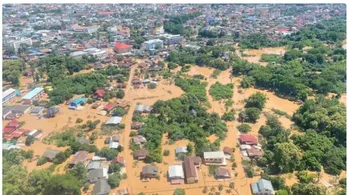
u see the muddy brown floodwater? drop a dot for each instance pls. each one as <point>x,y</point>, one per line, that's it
<point>254,55</point>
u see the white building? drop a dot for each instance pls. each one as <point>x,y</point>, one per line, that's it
<point>16,44</point>
<point>8,95</point>
<point>153,44</point>
<point>217,157</point>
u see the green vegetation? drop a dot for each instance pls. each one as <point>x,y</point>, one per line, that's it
<point>247,82</point>
<point>114,180</point>
<point>257,100</point>
<point>41,161</point>
<point>175,24</point>
<point>176,117</point>
<point>179,191</point>
<point>271,58</point>
<point>244,128</point>
<point>29,140</point>
<point>206,56</point>
<point>249,115</point>
<point>119,111</point>
<point>281,113</point>
<point>228,116</point>
<point>192,86</point>
<point>11,71</point>
<point>256,41</point>
<point>166,153</point>
<point>108,153</point>
<point>80,172</point>
<point>219,91</point>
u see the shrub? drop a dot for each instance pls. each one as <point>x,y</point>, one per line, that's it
<point>250,115</point>
<point>152,86</point>
<point>244,128</point>
<point>79,120</point>
<point>228,116</point>
<point>120,94</point>
<point>249,172</point>
<point>219,91</point>
<point>119,111</point>
<point>29,140</point>
<point>89,101</point>
<point>114,180</point>
<point>166,153</point>
<point>133,133</point>
<point>179,191</point>
<point>42,160</point>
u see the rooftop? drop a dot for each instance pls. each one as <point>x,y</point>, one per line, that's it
<point>33,93</point>
<point>7,92</point>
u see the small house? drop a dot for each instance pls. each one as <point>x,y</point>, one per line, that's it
<point>123,104</point>
<point>101,187</point>
<point>50,154</point>
<point>140,108</point>
<point>222,173</point>
<point>176,174</point>
<point>79,157</point>
<point>228,152</point>
<point>255,152</point>
<point>119,160</point>
<point>181,150</point>
<point>77,102</point>
<point>136,82</point>
<point>95,165</point>
<point>82,140</point>
<point>139,139</point>
<point>99,94</point>
<point>247,139</point>
<point>217,157</point>
<point>109,107</point>
<point>52,111</point>
<point>262,187</point>
<point>137,125</point>
<point>36,111</point>
<point>96,174</point>
<point>114,145</point>
<point>140,154</point>
<point>115,120</point>
<point>149,172</point>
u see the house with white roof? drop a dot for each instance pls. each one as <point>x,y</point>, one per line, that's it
<point>217,157</point>
<point>8,95</point>
<point>176,174</point>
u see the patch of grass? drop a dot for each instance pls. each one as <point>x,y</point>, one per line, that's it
<point>215,74</point>
<point>219,91</point>
<point>281,113</point>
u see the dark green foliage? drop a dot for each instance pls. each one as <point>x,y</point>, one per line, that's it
<point>114,168</point>
<point>29,140</point>
<point>166,153</point>
<point>152,85</point>
<point>80,172</point>
<point>137,118</point>
<point>79,120</point>
<point>62,156</point>
<point>305,189</point>
<point>64,88</point>
<point>175,24</point>
<point>244,128</point>
<point>247,82</point>
<point>249,172</point>
<point>119,111</point>
<point>198,76</point>
<point>42,160</point>
<point>120,94</point>
<point>192,86</point>
<point>249,115</point>
<point>256,41</point>
<point>179,191</point>
<point>228,116</point>
<point>172,65</point>
<point>62,185</point>
<point>271,58</point>
<point>257,100</point>
<point>108,153</point>
<point>11,71</point>
<point>219,91</point>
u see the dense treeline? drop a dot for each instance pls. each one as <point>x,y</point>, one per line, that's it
<point>57,67</point>
<point>205,56</point>
<point>11,70</point>
<point>175,24</point>
<point>16,179</point>
<point>80,84</point>
<point>291,80</point>
<point>182,118</point>
<point>323,144</point>
<point>256,41</point>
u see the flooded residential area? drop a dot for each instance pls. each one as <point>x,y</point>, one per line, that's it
<point>213,99</point>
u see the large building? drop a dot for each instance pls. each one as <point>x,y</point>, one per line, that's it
<point>35,94</point>
<point>191,164</point>
<point>153,44</point>
<point>122,47</point>
<point>8,95</point>
<point>262,187</point>
<point>16,44</point>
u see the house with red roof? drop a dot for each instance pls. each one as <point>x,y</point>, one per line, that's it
<point>122,47</point>
<point>99,94</point>
<point>109,107</point>
<point>247,139</point>
<point>11,127</point>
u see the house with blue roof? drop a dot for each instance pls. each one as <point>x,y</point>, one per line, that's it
<point>77,102</point>
<point>33,95</point>
<point>262,187</point>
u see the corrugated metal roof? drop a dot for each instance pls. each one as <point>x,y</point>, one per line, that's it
<point>114,120</point>
<point>176,171</point>
<point>7,92</point>
<point>218,154</point>
<point>33,93</point>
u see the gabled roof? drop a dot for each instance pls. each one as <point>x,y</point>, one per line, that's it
<point>248,138</point>
<point>109,106</point>
<point>114,120</point>
<point>101,187</point>
<point>13,123</point>
<point>176,171</point>
<point>261,186</point>
<point>51,154</point>
<point>33,93</point>
<point>150,169</point>
<point>8,92</point>
<point>79,157</point>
